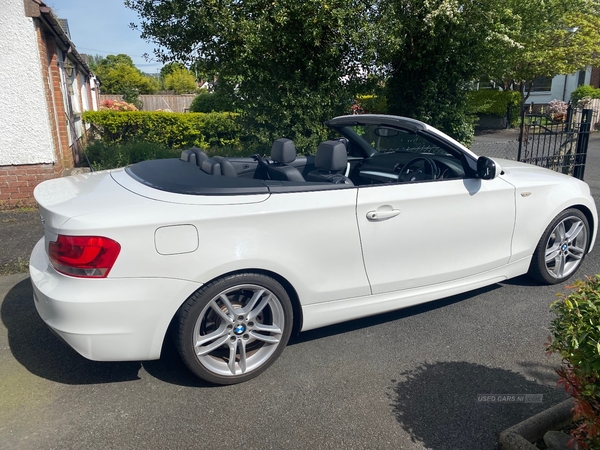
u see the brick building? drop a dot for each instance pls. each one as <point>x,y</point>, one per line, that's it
<point>45,85</point>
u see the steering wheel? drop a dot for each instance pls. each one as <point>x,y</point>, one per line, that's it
<point>410,172</point>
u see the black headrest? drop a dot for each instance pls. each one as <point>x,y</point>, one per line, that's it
<point>227,168</point>
<point>185,155</point>
<point>194,155</point>
<point>211,167</point>
<point>283,151</point>
<point>331,155</point>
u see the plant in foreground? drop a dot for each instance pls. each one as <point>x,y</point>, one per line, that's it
<point>576,338</point>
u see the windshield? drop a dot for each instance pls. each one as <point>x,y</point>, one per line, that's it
<point>387,139</point>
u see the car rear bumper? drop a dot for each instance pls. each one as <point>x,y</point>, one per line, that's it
<point>120,319</point>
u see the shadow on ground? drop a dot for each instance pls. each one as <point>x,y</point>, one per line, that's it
<point>438,404</point>
<point>42,353</point>
<point>392,316</point>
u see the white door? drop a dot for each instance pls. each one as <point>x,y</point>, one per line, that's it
<point>418,234</point>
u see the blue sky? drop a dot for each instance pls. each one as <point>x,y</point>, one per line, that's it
<point>102,28</point>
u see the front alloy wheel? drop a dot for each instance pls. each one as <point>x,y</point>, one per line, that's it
<point>233,329</point>
<point>562,248</point>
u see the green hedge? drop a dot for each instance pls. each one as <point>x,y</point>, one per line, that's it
<point>496,103</point>
<point>584,91</point>
<point>110,156</point>
<point>372,104</point>
<point>171,130</point>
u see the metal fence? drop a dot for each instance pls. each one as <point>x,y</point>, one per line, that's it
<point>561,147</point>
<point>497,149</point>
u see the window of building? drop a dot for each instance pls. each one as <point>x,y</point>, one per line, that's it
<point>487,85</point>
<point>542,84</point>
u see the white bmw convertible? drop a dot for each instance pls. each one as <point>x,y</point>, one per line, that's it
<point>235,254</point>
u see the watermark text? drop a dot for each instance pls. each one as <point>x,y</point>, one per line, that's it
<point>510,398</point>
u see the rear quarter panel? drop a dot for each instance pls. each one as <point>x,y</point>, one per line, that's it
<point>309,238</point>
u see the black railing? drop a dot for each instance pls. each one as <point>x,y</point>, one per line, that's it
<point>559,146</point>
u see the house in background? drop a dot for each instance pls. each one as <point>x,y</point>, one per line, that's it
<point>45,85</point>
<point>546,89</point>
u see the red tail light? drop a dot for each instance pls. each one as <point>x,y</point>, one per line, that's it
<point>83,256</point>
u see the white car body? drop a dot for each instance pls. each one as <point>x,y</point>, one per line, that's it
<point>445,237</point>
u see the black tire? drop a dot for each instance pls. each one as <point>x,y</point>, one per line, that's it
<point>561,251</point>
<point>256,334</point>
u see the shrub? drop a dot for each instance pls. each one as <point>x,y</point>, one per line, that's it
<point>105,156</point>
<point>117,105</point>
<point>132,95</point>
<point>371,104</point>
<point>496,103</point>
<point>171,130</point>
<point>206,102</point>
<point>584,91</point>
<point>576,337</point>
<point>110,156</point>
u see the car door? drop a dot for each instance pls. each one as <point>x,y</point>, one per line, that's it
<point>419,234</point>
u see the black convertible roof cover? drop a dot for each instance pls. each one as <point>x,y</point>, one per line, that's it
<point>181,177</point>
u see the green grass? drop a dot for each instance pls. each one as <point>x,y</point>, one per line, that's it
<point>19,207</point>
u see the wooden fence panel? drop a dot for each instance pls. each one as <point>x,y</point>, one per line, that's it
<point>595,106</point>
<point>175,103</point>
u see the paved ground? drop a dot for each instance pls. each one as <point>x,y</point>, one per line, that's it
<point>408,379</point>
<point>19,231</point>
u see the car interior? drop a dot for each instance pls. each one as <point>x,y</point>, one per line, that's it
<point>365,154</point>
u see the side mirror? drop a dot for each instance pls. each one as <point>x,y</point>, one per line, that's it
<point>487,169</point>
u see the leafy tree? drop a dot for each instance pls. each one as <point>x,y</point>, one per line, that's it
<point>118,75</point>
<point>169,68</point>
<point>288,65</point>
<point>180,80</point>
<point>112,61</point>
<point>207,102</point>
<point>436,49</point>
<point>93,61</point>
<point>547,38</point>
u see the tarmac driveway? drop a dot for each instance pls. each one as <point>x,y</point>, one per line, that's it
<point>408,379</point>
<point>19,231</point>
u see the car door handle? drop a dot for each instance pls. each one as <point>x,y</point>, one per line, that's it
<point>382,215</point>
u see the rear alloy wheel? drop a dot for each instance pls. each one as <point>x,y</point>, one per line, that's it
<point>562,248</point>
<point>233,329</point>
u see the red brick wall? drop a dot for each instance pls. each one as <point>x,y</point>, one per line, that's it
<point>17,182</point>
<point>45,61</point>
<point>65,155</point>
